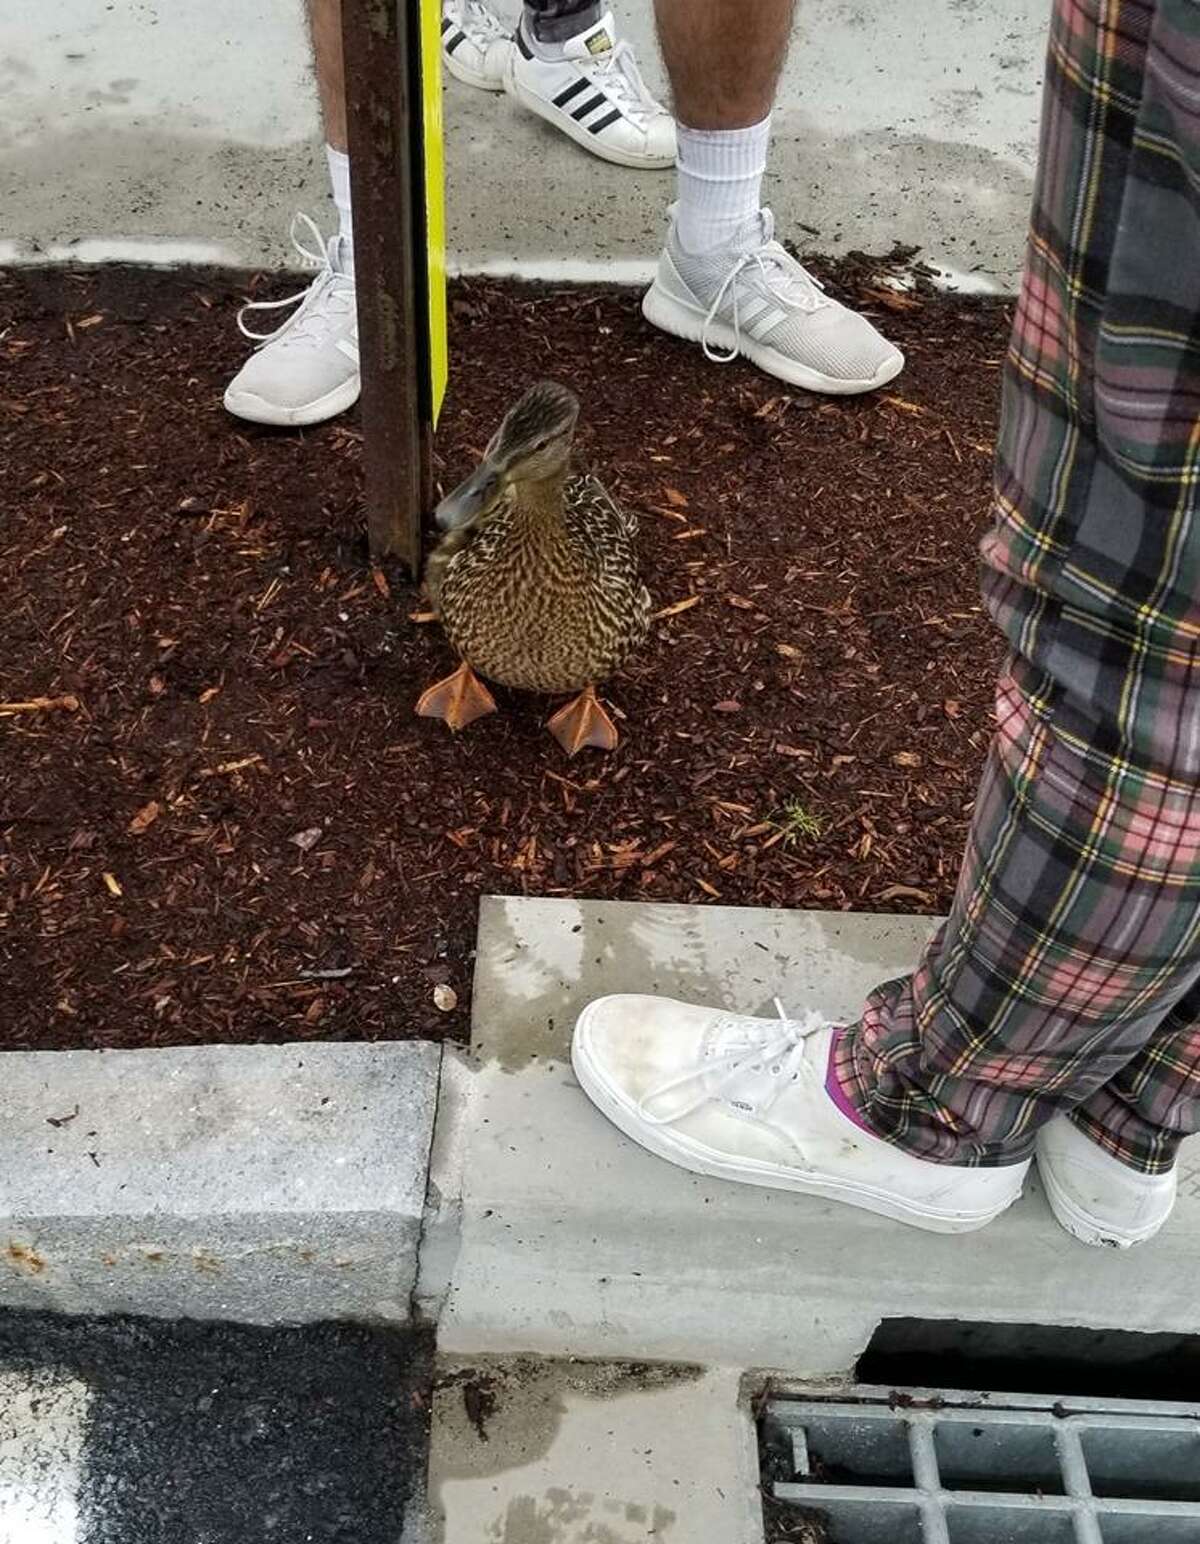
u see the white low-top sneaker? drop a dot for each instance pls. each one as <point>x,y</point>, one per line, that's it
<point>753,1100</point>
<point>1096,1197</point>
<point>307,369</point>
<point>753,298</point>
<point>595,94</point>
<point>475,45</point>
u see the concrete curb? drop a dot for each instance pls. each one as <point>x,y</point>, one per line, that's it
<point>572,1241</point>
<point>262,1184</point>
<point>297,1183</point>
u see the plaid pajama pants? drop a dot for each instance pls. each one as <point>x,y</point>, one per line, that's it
<point>1067,977</point>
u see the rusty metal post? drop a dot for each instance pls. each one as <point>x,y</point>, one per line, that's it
<point>382,49</point>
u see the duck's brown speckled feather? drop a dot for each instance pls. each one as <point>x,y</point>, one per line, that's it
<point>545,605</point>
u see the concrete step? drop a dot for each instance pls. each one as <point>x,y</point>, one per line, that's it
<point>573,1241</point>
<point>258,1183</point>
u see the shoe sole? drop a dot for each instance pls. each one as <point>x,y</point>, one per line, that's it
<point>257,410</point>
<point>563,121</point>
<point>685,1154</point>
<point>469,77</point>
<point>1084,1227</point>
<point>664,311</point>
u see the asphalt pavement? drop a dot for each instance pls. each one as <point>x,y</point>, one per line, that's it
<point>124,1431</point>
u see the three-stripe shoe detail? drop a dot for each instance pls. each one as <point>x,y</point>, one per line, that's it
<point>758,316</point>
<point>451,43</point>
<point>588,110</point>
<point>593,91</point>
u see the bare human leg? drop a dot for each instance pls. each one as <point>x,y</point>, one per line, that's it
<point>325,22</point>
<point>724,281</point>
<point>305,368</point>
<point>724,58</point>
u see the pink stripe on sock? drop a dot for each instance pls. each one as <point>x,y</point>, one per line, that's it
<point>833,1086</point>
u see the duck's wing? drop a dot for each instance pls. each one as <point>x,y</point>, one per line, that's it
<point>590,505</point>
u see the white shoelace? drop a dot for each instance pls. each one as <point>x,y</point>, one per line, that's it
<point>329,285</point>
<point>481,24</point>
<point>784,278</point>
<point>617,74</point>
<point>783,1053</point>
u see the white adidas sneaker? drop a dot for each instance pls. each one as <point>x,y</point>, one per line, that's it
<point>1097,1198</point>
<point>753,298</point>
<point>475,44</point>
<point>595,94</point>
<point>752,1100</point>
<point>307,369</point>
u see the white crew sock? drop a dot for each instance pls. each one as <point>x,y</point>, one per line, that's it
<point>720,183</point>
<point>339,177</point>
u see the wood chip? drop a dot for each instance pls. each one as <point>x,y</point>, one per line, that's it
<point>904,893</point>
<point>111,885</point>
<point>66,704</point>
<point>677,608</point>
<point>226,767</point>
<point>144,818</point>
<point>891,299</point>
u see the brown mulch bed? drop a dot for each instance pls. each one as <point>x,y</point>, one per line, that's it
<point>234,828</point>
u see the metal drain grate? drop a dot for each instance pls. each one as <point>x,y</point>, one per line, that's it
<point>953,1468</point>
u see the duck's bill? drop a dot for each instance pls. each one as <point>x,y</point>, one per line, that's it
<point>469,500</point>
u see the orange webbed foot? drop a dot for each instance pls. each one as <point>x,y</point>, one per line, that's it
<point>459,699</point>
<point>583,722</point>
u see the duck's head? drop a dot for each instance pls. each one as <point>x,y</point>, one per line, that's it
<point>532,445</point>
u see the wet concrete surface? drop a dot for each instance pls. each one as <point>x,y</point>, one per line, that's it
<point>127,1431</point>
<point>148,135</point>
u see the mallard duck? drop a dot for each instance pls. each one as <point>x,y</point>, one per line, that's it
<point>536,578</point>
